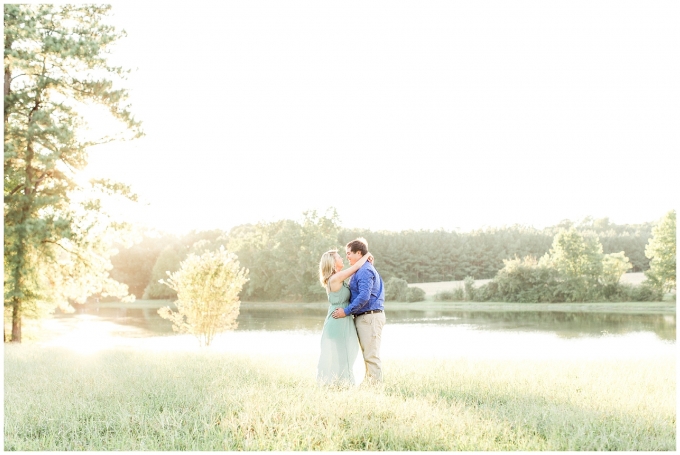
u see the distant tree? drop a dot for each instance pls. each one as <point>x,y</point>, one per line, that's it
<point>168,261</point>
<point>208,288</point>
<point>578,260</point>
<point>198,242</point>
<point>57,239</point>
<point>175,251</point>
<point>254,245</point>
<point>318,235</point>
<point>601,224</point>
<point>283,256</point>
<point>469,286</point>
<point>133,265</point>
<point>661,250</point>
<point>614,265</point>
<point>576,256</point>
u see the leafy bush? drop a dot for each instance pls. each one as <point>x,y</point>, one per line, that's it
<point>415,294</point>
<point>469,285</point>
<point>614,265</point>
<point>396,290</point>
<point>452,295</point>
<point>486,292</point>
<point>525,280</point>
<point>208,288</point>
<point>645,292</point>
<point>168,261</point>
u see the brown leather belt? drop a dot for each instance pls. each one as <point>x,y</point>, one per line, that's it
<point>369,312</point>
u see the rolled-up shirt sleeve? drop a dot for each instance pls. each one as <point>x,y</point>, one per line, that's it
<point>365,281</point>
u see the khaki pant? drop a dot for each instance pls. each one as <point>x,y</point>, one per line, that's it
<point>369,328</point>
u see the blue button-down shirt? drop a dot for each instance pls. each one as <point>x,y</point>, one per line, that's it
<point>367,291</point>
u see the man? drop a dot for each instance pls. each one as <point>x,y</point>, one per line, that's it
<point>366,303</point>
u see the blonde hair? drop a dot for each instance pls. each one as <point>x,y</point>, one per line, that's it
<point>327,266</point>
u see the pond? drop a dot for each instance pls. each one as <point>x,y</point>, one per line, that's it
<point>410,332</point>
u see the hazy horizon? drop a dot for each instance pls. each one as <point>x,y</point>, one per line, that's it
<point>402,116</point>
<point>576,222</point>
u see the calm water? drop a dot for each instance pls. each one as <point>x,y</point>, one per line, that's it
<point>287,317</point>
<point>295,329</point>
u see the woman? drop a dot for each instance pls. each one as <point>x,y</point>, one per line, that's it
<point>340,361</point>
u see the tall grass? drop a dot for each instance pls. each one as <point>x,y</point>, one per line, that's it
<point>133,400</point>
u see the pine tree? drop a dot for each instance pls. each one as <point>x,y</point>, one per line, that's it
<point>57,241</point>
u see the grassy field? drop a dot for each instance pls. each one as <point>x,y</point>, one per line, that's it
<point>134,400</point>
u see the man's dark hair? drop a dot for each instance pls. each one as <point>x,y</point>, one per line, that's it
<point>358,245</point>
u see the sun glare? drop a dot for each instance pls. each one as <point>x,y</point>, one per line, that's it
<point>87,334</point>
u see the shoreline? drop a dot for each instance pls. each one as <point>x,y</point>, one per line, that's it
<point>665,307</point>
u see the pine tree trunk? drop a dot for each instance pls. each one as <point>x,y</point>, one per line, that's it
<point>8,78</point>
<point>16,321</point>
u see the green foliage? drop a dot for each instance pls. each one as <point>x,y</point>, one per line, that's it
<point>415,294</point>
<point>429,256</point>
<point>396,290</point>
<point>526,280</point>
<point>283,256</point>
<point>453,295</point>
<point>168,262</point>
<point>614,265</point>
<point>625,292</point>
<point>645,292</point>
<point>207,288</point>
<point>577,259</point>
<point>661,250</point>
<point>172,252</point>
<point>133,266</point>
<point>576,256</point>
<point>574,270</point>
<point>469,286</point>
<point>486,292</point>
<point>57,239</point>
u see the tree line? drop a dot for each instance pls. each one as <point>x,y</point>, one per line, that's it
<point>431,256</point>
<point>575,269</point>
<point>283,256</point>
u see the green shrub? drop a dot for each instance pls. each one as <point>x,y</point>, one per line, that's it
<point>486,292</point>
<point>452,295</point>
<point>415,294</point>
<point>645,292</point>
<point>469,285</point>
<point>208,288</point>
<point>525,280</point>
<point>396,289</point>
<point>528,281</point>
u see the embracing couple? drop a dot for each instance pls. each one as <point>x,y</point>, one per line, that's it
<point>355,319</point>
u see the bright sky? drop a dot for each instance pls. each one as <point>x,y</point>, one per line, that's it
<point>402,115</point>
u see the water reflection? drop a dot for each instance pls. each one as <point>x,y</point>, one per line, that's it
<point>563,324</point>
<point>291,330</point>
<point>287,317</point>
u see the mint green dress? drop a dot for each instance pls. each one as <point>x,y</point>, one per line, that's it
<point>341,361</point>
